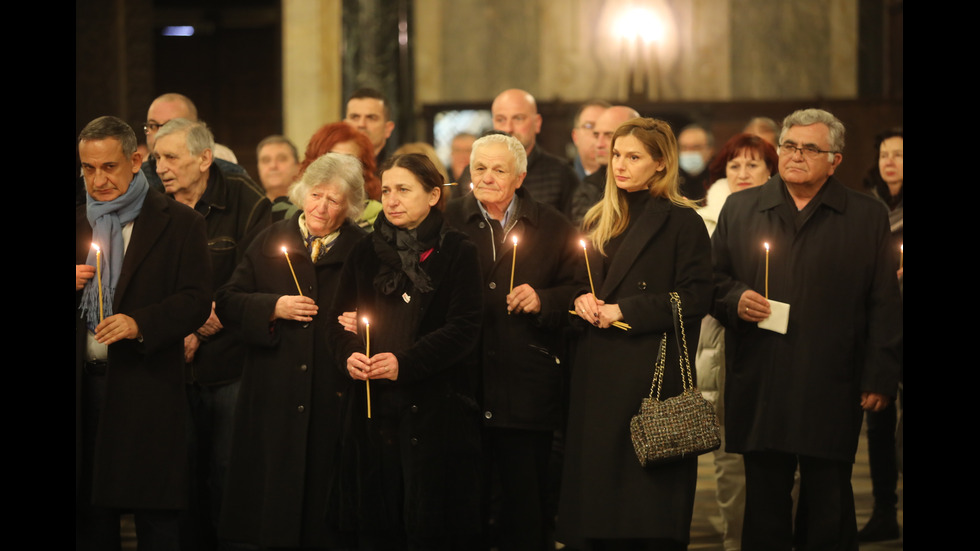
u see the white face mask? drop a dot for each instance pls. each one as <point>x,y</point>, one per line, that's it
<point>691,162</point>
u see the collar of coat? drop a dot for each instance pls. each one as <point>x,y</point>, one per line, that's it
<point>528,209</point>
<point>285,233</point>
<point>833,194</point>
<point>645,228</point>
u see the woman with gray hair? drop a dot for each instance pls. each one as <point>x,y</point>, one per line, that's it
<point>288,419</point>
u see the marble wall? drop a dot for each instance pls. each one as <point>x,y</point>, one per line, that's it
<point>569,51</point>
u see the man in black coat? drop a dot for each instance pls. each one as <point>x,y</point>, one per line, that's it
<point>521,338</point>
<point>131,409</point>
<point>234,212</point>
<point>795,399</point>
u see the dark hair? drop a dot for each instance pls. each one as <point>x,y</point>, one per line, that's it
<point>110,127</point>
<point>276,139</point>
<point>591,103</point>
<point>873,179</point>
<point>737,144</point>
<point>329,135</point>
<point>424,171</point>
<point>371,93</point>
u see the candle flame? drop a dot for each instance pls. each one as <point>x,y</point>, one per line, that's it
<point>514,238</point>
<point>366,322</point>
<point>900,247</point>
<point>96,247</point>
<point>767,246</point>
<point>284,249</point>
<point>581,242</point>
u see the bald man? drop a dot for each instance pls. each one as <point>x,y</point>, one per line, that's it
<point>162,110</point>
<point>592,187</point>
<point>550,180</point>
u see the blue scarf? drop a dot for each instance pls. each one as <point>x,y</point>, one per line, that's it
<point>107,219</point>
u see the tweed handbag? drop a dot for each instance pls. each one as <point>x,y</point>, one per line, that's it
<point>678,427</point>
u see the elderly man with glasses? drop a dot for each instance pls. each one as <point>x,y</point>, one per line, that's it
<point>794,396</point>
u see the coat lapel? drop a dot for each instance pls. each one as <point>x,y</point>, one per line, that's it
<point>147,228</point>
<point>650,220</point>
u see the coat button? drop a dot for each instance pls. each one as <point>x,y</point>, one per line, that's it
<point>492,285</point>
<point>414,441</point>
<point>641,285</point>
<point>483,225</point>
<point>301,409</point>
<point>487,414</point>
<point>414,409</point>
<point>303,367</point>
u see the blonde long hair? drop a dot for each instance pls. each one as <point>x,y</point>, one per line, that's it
<point>610,216</point>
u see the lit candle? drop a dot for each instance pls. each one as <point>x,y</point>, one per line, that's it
<point>98,277</point>
<point>367,352</point>
<point>767,270</point>
<point>513,263</point>
<point>291,270</point>
<point>587,267</point>
<point>901,256</point>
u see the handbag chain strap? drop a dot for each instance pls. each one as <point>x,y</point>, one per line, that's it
<point>687,378</point>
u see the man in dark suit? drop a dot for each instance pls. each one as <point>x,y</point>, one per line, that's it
<point>794,399</point>
<point>135,300</point>
<point>521,338</point>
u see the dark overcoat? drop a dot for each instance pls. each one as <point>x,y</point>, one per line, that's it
<point>287,424</point>
<point>605,491</point>
<point>520,354</point>
<point>165,285</point>
<point>423,441</point>
<point>800,392</point>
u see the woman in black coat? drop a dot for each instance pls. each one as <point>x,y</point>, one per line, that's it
<point>414,472</point>
<point>646,241</point>
<point>287,426</point>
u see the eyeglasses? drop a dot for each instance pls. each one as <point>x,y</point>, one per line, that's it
<point>808,151</point>
<point>152,126</point>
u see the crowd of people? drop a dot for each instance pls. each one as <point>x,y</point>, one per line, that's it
<point>364,351</point>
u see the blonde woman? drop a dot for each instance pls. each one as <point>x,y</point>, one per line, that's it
<point>645,241</point>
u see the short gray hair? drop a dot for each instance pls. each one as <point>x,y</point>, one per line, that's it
<point>198,135</point>
<point>107,127</point>
<point>806,117</point>
<point>343,171</point>
<point>512,143</point>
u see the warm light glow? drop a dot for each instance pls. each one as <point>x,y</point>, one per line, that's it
<point>514,238</point>
<point>284,249</point>
<point>96,247</point>
<point>581,242</point>
<point>640,23</point>
<point>366,322</point>
<point>766,245</point>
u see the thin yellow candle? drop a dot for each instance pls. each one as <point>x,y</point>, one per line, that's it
<point>513,263</point>
<point>619,324</point>
<point>367,352</point>
<point>587,267</point>
<point>767,270</point>
<point>98,278</point>
<point>291,270</point>
<point>901,256</point>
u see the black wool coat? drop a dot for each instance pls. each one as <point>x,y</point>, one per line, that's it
<point>520,354</point>
<point>605,492</point>
<point>165,285</point>
<point>287,425</point>
<point>800,392</point>
<point>416,464</point>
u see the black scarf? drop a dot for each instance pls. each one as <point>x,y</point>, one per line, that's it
<point>400,251</point>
